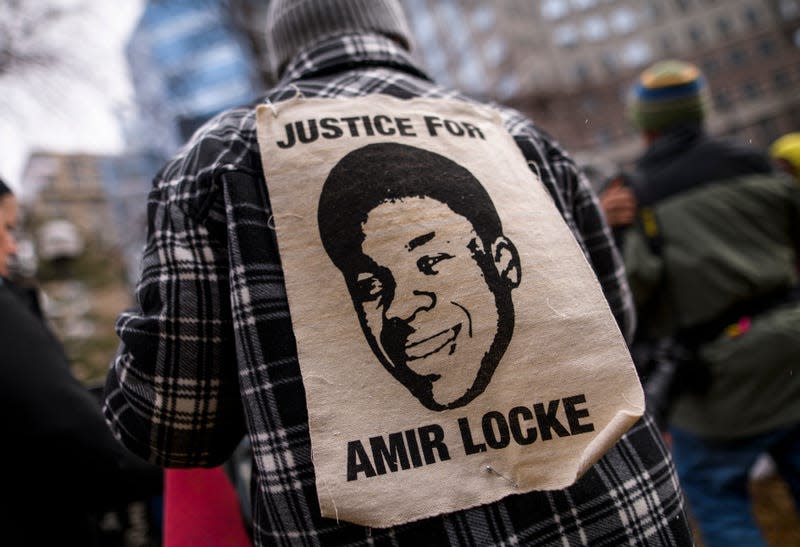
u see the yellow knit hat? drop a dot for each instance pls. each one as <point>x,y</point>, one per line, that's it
<point>788,148</point>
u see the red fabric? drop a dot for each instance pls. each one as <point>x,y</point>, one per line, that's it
<point>201,510</point>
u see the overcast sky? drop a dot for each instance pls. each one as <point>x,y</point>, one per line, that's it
<point>72,106</point>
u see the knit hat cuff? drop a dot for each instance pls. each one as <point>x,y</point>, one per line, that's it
<point>668,94</point>
<point>294,25</point>
<point>665,114</point>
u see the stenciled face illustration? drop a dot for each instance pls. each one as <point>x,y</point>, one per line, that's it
<point>428,269</point>
<point>426,305</point>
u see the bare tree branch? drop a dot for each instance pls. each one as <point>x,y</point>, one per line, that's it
<point>22,29</point>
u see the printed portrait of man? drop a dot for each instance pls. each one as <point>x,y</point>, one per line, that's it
<point>429,271</point>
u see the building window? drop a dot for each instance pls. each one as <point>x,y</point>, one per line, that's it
<point>623,20</point>
<point>472,76</point>
<point>710,66</point>
<point>595,29</point>
<point>789,9</point>
<point>507,86</point>
<point>452,13</point>
<point>796,38</point>
<point>722,100</point>
<point>78,172</point>
<point>683,5</point>
<point>436,60</point>
<point>425,30</point>
<point>781,79</point>
<point>766,46</point>
<point>666,44</point>
<point>724,26</point>
<point>752,16</point>
<point>566,36</point>
<point>653,11</point>
<point>750,90</point>
<point>483,18</point>
<point>609,61</point>
<point>494,51</point>
<point>554,9</point>
<point>582,72</point>
<point>737,57</point>
<point>636,53</point>
<point>696,35</point>
<point>50,182</point>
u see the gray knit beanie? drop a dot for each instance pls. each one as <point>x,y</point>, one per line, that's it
<point>292,25</point>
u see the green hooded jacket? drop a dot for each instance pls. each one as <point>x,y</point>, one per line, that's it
<point>698,261</point>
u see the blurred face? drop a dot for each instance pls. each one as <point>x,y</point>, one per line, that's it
<point>426,305</point>
<point>8,224</point>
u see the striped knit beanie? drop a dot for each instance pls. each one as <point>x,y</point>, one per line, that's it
<point>668,94</point>
<point>292,25</point>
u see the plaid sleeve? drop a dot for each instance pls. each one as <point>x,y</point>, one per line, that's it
<point>171,395</point>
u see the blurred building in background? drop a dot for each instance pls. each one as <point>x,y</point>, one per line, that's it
<point>84,216</point>
<point>127,179</point>
<point>188,61</point>
<point>569,63</point>
<point>70,187</point>
<point>468,44</point>
<point>566,63</point>
<point>103,197</point>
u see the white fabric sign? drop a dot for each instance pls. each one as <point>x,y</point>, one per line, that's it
<point>454,343</point>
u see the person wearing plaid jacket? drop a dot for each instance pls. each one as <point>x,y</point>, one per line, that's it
<point>210,355</point>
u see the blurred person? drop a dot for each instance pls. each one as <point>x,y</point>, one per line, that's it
<point>711,260</point>
<point>205,350</point>
<point>786,153</point>
<point>9,212</point>
<point>65,466</point>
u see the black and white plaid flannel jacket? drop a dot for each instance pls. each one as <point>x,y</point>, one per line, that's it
<point>211,356</point>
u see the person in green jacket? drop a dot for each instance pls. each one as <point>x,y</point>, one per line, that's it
<point>712,262</point>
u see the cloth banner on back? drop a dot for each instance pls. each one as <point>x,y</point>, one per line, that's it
<point>454,344</point>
